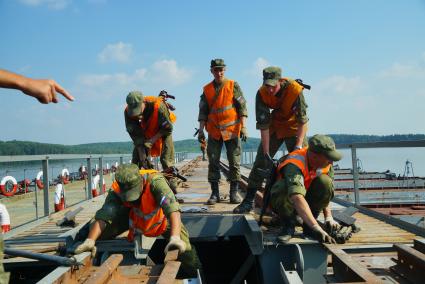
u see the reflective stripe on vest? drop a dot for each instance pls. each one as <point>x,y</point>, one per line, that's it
<point>147,217</point>
<point>299,159</point>
<point>223,109</point>
<point>223,121</point>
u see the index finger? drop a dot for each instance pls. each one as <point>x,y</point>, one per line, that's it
<point>61,90</point>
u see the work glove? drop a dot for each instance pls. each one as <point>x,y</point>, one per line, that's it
<point>331,225</point>
<point>175,243</point>
<point>148,144</point>
<point>321,235</point>
<point>87,245</point>
<point>201,136</point>
<point>244,134</point>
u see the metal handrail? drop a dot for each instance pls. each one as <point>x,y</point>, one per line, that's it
<point>178,157</point>
<point>390,144</point>
<point>24,158</point>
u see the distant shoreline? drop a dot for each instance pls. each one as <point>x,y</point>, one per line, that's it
<point>188,145</point>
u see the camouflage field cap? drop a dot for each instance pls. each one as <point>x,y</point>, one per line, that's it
<point>218,62</point>
<point>325,145</point>
<point>130,181</point>
<point>134,101</point>
<point>271,75</point>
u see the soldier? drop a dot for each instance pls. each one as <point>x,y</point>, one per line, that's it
<point>222,111</point>
<point>150,125</point>
<point>305,187</point>
<point>144,200</point>
<point>286,123</point>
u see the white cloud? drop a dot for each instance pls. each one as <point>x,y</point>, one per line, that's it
<point>168,72</point>
<point>117,52</point>
<point>163,74</point>
<point>339,85</point>
<point>98,80</point>
<point>51,4</point>
<point>398,70</point>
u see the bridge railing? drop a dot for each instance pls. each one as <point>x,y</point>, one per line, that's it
<point>51,166</point>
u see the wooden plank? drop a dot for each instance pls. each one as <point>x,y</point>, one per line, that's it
<point>169,273</point>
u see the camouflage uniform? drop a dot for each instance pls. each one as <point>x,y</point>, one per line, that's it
<point>116,216</point>
<point>233,146</point>
<point>264,120</point>
<point>318,195</point>
<point>4,276</point>
<point>137,135</point>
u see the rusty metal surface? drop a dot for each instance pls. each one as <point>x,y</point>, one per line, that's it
<point>347,269</point>
<point>410,263</point>
<point>106,271</point>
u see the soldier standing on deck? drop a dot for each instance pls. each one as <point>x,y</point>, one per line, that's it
<point>223,113</point>
<point>286,123</point>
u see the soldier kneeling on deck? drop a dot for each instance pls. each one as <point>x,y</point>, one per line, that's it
<point>142,202</point>
<point>305,187</point>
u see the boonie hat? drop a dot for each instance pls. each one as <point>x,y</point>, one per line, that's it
<point>134,102</point>
<point>128,178</point>
<point>325,145</point>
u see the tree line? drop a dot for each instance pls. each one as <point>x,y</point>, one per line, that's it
<point>15,147</point>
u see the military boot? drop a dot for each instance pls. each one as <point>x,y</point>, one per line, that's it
<point>215,195</point>
<point>234,192</point>
<point>287,231</point>
<point>247,204</point>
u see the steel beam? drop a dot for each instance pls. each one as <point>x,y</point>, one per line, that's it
<point>290,276</point>
<point>347,269</point>
<point>355,176</point>
<point>410,263</point>
<point>419,245</point>
<point>383,217</point>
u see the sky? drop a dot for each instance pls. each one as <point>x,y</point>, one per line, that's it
<point>365,61</point>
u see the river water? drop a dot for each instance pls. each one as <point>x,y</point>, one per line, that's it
<point>373,160</point>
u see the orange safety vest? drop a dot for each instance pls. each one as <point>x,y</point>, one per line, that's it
<point>223,121</point>
<point>284,122</point>
<point>299,159</point>
<point>147,218</point>
<point>151,126</point>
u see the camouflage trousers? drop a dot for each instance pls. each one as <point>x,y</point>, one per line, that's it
<point>167,153</point>
<point>318,196</point>
<point>189,259</point>
<point>233,151</point>
<point>4,276</point>
<point>166,158</point>
<point>256,178</point>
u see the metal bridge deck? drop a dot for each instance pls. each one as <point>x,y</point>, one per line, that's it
<point>44,234</point>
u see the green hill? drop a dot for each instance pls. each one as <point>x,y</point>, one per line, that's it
<point>189,145</point>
